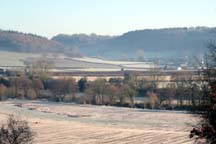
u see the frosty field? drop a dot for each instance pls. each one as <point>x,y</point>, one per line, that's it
<point>85,124</point>
<point>67,64</point>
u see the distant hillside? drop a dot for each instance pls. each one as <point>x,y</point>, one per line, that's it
<point>21,42</point>
<point>165,43</point>
<point>169,42</point>
<point>80,40</point>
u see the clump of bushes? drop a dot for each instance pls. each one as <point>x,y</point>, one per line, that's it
<point>16,131</point>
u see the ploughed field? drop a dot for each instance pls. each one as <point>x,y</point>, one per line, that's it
<point>61,123</point>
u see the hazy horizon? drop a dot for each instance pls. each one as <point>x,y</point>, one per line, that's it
<point>51,17</point>
<point>93,33</point>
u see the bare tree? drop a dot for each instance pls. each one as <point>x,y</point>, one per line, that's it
<point>98,89</point>
<point>31,94</point>
<point>154,101</point>
<point>208,128</point>
<point>183,86</point>
<point>111,91</point>
<point>40,67</point>
<point>37,85</point>
<point>16,131</point>
<point>2,91</point>
<point>129,92</point>
<point>61,87</point>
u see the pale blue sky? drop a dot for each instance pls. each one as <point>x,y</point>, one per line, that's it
<point>107,17</point>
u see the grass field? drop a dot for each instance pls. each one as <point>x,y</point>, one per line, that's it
<point>63,63</point>
<point>85,124</point>
<point>14,58</point>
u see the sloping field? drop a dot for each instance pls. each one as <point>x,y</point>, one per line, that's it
<point>71,63</point>
<point>67,64</point>
<point>58,123</point>
<point>97,60</point>
<point>16,59</point>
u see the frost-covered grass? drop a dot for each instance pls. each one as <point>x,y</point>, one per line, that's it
<point>72,123</point>
<point>63,63</point>
<point>93,64</point>
<point>97,60</point>
<point>117,115</point>
<point>14,58</point>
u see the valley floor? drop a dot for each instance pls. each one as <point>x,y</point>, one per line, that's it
<point>60,123</point>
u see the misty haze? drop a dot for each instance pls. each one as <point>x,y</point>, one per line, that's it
<point>114,72</point>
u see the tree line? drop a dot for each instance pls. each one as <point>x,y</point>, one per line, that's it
<point>131,91</point>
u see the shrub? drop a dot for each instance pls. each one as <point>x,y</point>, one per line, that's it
<point>16,131</point>
<point>2,91</point>
<point>31,94</point>
<point>154,101</point>
<point>11,92</point>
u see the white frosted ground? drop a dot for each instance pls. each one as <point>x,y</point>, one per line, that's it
<point>86,124</point>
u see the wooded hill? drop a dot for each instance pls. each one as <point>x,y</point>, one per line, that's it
<point>165,43</point>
